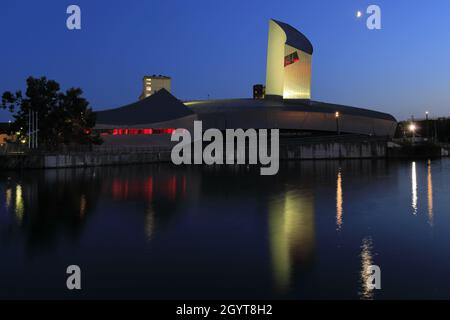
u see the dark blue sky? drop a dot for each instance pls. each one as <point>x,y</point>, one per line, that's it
<point>218,47</point>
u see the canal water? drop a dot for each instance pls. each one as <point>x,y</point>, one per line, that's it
<point>159,231</point>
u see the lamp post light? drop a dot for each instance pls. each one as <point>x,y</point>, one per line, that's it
<point>337,115</point>
<point>412,128</point>
<point>427,124</point>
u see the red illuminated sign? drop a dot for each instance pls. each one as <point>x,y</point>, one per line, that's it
<point>290,59</point>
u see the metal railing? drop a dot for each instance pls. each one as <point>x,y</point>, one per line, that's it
<point>15,149</point>
<point>130,149</point>
<point>332,138</point>
<point>7,149</point>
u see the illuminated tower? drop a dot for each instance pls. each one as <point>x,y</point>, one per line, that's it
<point>153,84</point>
<point>289,56</point>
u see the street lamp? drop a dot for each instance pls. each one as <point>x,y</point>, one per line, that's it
<point>412,128</point>
<point>427,123</point>
<point>337,115</point>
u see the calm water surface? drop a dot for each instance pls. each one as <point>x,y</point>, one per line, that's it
<point>158,231</point>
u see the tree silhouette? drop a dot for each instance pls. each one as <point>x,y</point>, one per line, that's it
<point>64,118</point>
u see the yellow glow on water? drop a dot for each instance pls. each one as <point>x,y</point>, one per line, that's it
<point>19,209</point>
<point>414,187</point>
<point>430,194</point>
<point>292,236</point>
<point>339,201</point>
<point>366,261</point>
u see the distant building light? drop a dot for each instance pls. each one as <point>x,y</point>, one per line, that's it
<point>153,84</point>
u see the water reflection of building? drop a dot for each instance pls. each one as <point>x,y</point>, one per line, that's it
<point>430,194</point>
<point>429,186</point>
<point>150,222</point>
<point>160,190</point>
<point>366,291</point>
<point>169,186</point>
<point>414,188</point>
<point>292,235</point>
<point>339,201</point>
<point>46,205</point>
<point>8,197</point>
<point>14,201</point>
<point>19,204</point>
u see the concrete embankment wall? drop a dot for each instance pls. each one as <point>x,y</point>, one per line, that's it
<point>370,148</point>
<point>85,159</point>
<point>301,149</point>
<point>99,159</point>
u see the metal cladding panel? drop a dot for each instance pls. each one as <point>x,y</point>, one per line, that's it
<point>275,60</point>
<point>276,118</point>
<point>297,120</point>
<point>297,76</point>
<point>292,81</point>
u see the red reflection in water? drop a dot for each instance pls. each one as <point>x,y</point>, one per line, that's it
<point>183,191</point>
<point>148,187</point>
<point>172,187</point>
<point>120,189</point>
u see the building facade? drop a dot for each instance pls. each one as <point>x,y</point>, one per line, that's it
<point>289,60</point>
<point>284,103</point>
<point>154,83</point>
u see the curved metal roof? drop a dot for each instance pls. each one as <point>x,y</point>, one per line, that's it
<point>230,105</point>
<point>295,38</point>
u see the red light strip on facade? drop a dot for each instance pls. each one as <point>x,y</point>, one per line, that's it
<point>143,131</point>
